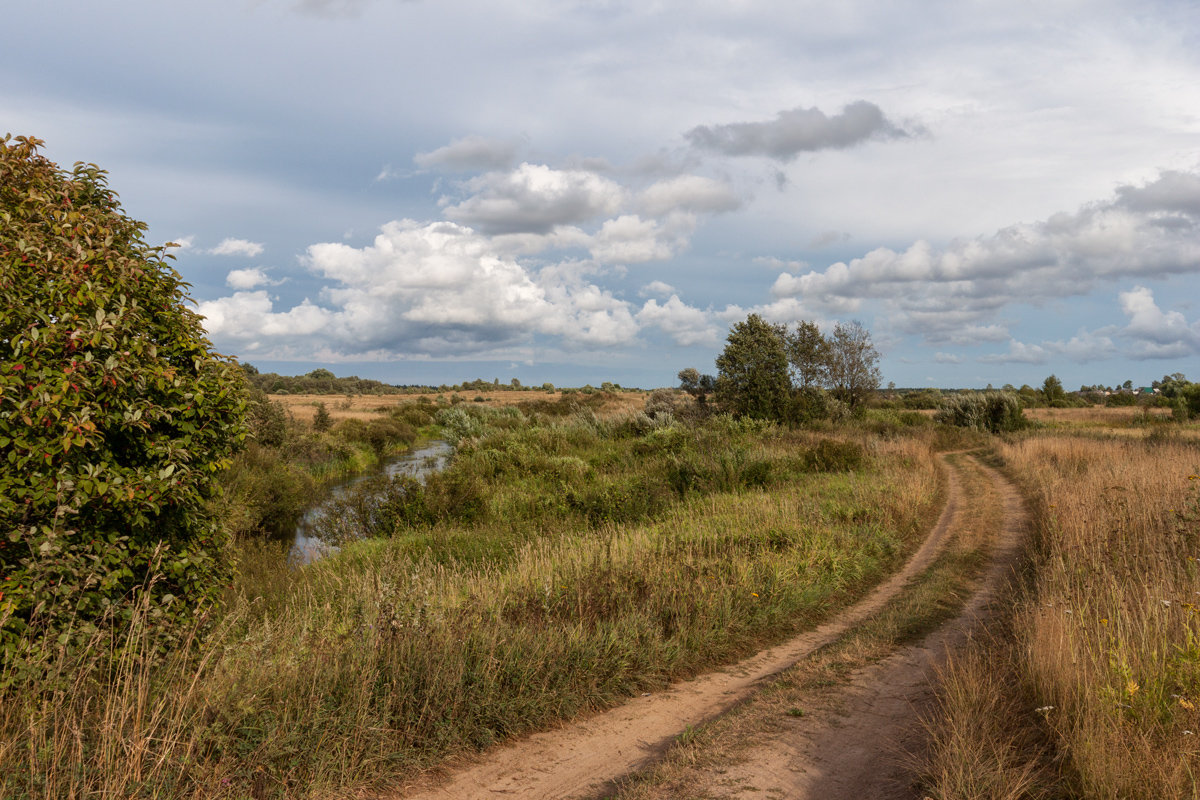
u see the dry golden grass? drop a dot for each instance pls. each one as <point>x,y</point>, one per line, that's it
<point>1117,416</point>
<point>364,406</point>
<point>1105,646</point>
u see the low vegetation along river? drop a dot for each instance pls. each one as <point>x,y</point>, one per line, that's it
<point>418,462</point>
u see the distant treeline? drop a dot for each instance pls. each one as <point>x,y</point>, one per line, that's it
<point>322,381</point>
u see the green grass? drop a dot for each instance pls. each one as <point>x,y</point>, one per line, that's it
<point>539,582</point>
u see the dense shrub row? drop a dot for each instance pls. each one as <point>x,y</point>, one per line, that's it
<point>996,412</point>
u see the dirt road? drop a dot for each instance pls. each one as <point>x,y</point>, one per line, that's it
<point>848,752</point>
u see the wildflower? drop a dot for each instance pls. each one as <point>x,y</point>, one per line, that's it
<point>1104,620</point>
<point>1166,603</point>
<point>1193,477</point>
<point>1044,709</point>
<point>1188,704</point>
<point>1132,688</point>
<point>754,593</point>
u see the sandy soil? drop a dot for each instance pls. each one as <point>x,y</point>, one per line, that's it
<point>851,753</point>
<point>858,742</point>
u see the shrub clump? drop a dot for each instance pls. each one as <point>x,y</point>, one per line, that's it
<point>995,412</point>
<point>115,415</point>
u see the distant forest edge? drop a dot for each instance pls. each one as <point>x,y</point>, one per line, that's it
<point>1051,393</point>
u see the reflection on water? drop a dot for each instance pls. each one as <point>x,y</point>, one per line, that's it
<point>307,547</point>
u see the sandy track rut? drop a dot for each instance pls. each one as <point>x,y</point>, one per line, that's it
<point>579,758</point>
<point>860,740</point>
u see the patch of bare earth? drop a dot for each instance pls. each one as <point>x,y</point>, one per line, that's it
<point>848,749</point>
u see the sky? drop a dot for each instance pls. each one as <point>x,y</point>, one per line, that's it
<point>578,192</point>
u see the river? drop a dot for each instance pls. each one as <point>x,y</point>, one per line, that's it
<point>416,463</point>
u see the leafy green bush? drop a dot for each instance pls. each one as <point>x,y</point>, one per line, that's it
<point>418,416</point>
<point>115,415</point>
<point>1189,401</point>
<point>996,412</point>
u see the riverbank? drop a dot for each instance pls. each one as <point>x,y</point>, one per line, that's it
<point>287,463</point>
<point>341,512</point>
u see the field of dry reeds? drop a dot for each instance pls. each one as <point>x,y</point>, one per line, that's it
<point>1092,689</point>
<point>367,406</point>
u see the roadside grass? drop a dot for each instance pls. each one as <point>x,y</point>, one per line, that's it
<point>698,768</point>
<point>1092,687</point>
<point>497,614</point>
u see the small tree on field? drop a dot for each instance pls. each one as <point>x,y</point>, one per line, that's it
<point>808,353</point>
<point>697,385</point>
<point>322,420</point>
<point>853,363</point>
<point>115,415</point>
<point>752,377</point>
<point>1052,390</point>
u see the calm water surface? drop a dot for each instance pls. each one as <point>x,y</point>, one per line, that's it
<point>416,463</point>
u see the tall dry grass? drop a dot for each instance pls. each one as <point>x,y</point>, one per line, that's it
<point>1101,695</point>
<point>375,664</point>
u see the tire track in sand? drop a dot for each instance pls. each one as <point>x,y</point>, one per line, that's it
<point>857,743</point>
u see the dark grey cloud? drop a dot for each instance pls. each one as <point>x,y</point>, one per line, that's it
<point>1173,192</point>
<point>797,131</point>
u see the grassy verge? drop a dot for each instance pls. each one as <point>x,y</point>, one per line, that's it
<point>1094,687</point>
<point>560,565</point>
<point>697,763</point>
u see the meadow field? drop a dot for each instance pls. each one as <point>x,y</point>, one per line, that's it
<point>578,552</point>
<point>304,406</point>
<point>562,563</point>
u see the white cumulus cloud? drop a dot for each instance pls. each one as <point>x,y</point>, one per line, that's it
<point>1145,232</point>
<point>1157,333</point>
<point>429,290</point>
<point>689,193</point>
<point>685,324</point>
<point>247,278</point>
<point>237,247</point>
<point>535,198</point>
<point>470,153</point>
